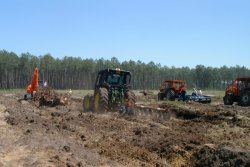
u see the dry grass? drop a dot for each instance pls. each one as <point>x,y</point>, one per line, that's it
<point>4,91</point>
<point>81,93</point>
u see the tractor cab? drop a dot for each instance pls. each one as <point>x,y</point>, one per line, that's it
<point>113,78</point>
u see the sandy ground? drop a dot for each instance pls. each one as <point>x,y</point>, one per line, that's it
<point>188,134</point>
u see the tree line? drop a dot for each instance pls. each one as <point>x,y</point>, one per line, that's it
<point>77,73</point>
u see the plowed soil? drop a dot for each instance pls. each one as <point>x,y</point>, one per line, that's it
<point>188,134</point>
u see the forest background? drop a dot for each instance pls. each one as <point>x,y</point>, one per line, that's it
<point>78,73</point>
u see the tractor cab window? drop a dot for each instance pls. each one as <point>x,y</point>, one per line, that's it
<point>248,84</point>
<point>163,86</point>
<point>240,83</point>
<point>236,83</point>
<point>101,79</point>
<point>178,85</point>
<point>167,85</point>
<point>127,81</point>
<point>244,84</point>
<point>115,79</point>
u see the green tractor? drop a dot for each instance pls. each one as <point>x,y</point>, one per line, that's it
<point>112,89</point>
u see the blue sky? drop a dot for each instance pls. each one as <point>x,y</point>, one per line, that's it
<point>170,32</point>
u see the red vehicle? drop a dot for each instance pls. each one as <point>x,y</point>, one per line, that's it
<point>238,91</point>
<point>171,89</point>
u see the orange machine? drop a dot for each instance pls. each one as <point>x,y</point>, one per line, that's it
<point>238,91</point>
<point>171,89</point>
<point>34,83</point>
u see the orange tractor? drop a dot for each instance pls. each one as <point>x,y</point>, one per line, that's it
<point>238,91</point>
<point>171,89</point>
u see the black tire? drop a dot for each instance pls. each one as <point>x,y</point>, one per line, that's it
<point>170,95</point>
<point>245,99</point>
<point>130,96</point>
<point>101,100</point>
<point>228,100</point>
<point>87,103</point>
<point>129,103</point>
<point>160,96</point>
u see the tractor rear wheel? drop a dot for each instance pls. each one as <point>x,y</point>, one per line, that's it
<point>228,100</point>
<point>170,95</point>
<point>130,96</point>
<point>87,103</point>
<point>245,99</point>
<point>101,100</point>
<point>129,103</point>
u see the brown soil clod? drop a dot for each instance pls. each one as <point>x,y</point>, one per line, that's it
<point>46,96</point>
<point>66,148</point>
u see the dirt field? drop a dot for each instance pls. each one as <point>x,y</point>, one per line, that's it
<point>188,134</point>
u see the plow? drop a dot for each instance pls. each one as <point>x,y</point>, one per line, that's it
<point>149,111</point>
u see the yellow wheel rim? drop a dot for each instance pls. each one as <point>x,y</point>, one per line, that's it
<point>86,104</point>
<point>97,99</point>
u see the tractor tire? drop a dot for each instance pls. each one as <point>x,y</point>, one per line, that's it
<point>228,100</point>
<point>129,103</point>
<point>170,95</point>
<point>101,100</point>
<point>130,96</point>
<point>160,96</point>
<point>245,99</point>
<point>25,97</point>
<point>87,103</point>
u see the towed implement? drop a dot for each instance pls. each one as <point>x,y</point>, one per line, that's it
<point>198,98</point>
<point>112,90</point>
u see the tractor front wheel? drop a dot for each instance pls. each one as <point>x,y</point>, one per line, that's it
<point>101,100</point>
<point>160,96</point>
<point>228,100</point>
<point>245,99</point>
<point>130,96</point>
<point>87,103</point>
<point>170,95</point>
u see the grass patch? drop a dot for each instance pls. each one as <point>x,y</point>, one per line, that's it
<point>216,94</point>
<point>76,93</point>
<point>4,91</point>
<point>173,104</point>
